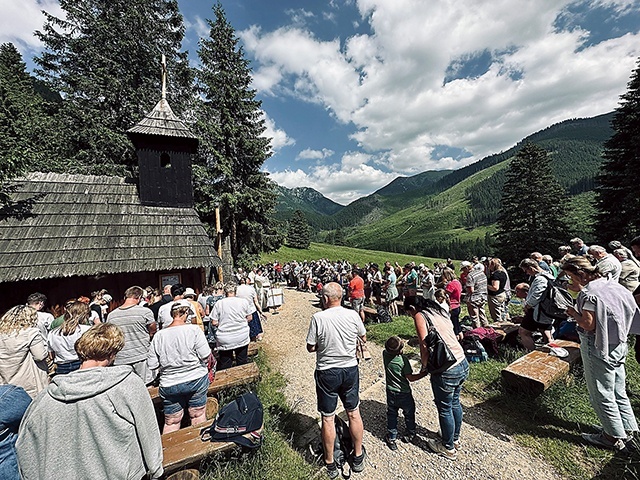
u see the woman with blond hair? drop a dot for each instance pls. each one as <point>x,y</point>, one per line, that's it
<point>497,295</point>
<point>23,352</point>
<point>99,419</point>
<point>606,313</point>
<point>62,339</point>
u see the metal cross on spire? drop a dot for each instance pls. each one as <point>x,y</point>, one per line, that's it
<point>164,77</point>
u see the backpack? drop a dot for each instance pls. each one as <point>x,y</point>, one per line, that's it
<point>554,303</point>
<point>383,315</point>
<point>343,446</point>
<point>473,349</point>
<point>240,421</point>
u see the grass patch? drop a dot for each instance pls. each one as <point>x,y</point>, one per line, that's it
<point>360,256</point>
<point>276,458</point>
<point>549,424</point>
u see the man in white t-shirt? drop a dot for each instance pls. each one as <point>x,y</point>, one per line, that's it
<point>164,314</point>
<point>333,335</point>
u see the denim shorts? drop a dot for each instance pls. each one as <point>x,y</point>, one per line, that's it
<point>188,394</point>
<point>334,383</point>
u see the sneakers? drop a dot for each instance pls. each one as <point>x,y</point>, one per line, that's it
<point>437,447</point>
<point>332,470</point>
<point>599,440</point>
<point>409,437</point>
<point>358,462</point>
<point>629,434</point>
<point>391,442</point>
<point>457,445</point>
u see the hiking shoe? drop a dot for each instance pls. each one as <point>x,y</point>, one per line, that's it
<point>391,442</point>
<point>599,429</point>
<point>437,447</point>
<point>332,470</point>
<point>358,462</point>
<point>599,440</point>
<point>409,437</point>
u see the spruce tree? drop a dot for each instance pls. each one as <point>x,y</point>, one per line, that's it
<point>533,209</point>
<point>299,233</point>
<point>103,56</point>
<point>230,125</point>
<point>25,125</point>
<point>617,199</point>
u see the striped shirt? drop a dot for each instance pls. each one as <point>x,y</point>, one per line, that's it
<point>134,322</point>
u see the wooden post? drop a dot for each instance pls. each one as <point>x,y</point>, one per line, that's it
<point>219,241</point>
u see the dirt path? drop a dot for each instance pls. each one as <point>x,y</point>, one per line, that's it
<point>487,452</point>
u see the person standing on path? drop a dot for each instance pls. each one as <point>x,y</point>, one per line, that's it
<point>333,334</point>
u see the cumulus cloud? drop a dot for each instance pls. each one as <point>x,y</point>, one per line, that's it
<point>390,83</point>
<point>199,25</point>
<point>310,154</point>
<point>279,137</point>
<point>342,182</point>
<point>21,18</point>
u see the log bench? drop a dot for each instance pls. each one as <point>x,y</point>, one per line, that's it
<point>183,448</point>
<point>231,377</point>
<point>538,370</point>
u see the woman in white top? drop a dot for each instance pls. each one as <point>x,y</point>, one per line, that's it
<point>181,351</point>
<point>62,340</point>
<point>23,352</point>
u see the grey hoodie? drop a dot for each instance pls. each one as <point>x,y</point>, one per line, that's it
<point>97,423</point>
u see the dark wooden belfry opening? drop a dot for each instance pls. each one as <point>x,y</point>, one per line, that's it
<point>164,146</point>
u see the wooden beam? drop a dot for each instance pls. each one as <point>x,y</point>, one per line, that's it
<point>538,370</point>
<point>231,377</point>
<point>183,448</point>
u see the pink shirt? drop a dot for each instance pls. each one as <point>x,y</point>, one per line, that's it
<point>454,289</point>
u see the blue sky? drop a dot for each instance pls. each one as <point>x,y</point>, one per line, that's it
<point>357,92</point>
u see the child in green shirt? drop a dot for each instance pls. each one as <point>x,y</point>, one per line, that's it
<point>398,374</point>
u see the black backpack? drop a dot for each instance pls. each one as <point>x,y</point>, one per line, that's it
<point>383,315</point>
<point>343,446</point>
<point>240,421</point>
<point>554,303</point>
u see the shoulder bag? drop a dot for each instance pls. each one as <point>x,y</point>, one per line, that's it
<point>440,355</point>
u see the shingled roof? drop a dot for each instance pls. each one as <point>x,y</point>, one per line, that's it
<point>162,121</point>
<point>64,225</point>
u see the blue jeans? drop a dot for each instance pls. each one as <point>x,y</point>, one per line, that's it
<point>13,404</point>
<point>397,401</point>
<point>605,379</point>
<point>446,393</point>
<point>188,394</point>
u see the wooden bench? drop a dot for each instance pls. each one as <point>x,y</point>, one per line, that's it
<point>183,448</point>
<point>231,377</point>
<point>538,370</point>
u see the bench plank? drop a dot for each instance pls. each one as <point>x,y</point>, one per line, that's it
<point>231,377</point>
<point>184,448</point>
<point>538,370</point>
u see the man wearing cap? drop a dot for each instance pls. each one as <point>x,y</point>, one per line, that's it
<point>333,335</point>
<point>138,325</point>
<point>164,314</point>
<point>190,295</point>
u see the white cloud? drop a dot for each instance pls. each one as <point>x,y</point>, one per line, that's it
<point>341,182</point>
<point>198,24</point>
<point>21,18</point>
<point>279,137</point>
<point>389,83</point>
<point>310,154</point>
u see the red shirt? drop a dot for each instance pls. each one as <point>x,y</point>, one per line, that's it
<point>356,287</point>
<point>454,288</point>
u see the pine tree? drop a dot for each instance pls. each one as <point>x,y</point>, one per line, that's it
<point>299,233</point>
<point>25,136</point>
<point>232,149</point>
<point>103,57</point>
<point>617,199</point>
<point>533,210</point>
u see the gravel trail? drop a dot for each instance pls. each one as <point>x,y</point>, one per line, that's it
<point>487,452</point>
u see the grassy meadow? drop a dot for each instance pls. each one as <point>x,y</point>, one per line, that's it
<point>336,252</point>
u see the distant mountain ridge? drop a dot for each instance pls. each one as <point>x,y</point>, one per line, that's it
<point>439,213</point>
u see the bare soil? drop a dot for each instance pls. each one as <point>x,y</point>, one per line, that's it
<point>487,451</point>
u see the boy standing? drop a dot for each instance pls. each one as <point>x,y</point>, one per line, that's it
<point>398,374</point>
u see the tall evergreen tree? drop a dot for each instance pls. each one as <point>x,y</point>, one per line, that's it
<point>25,125</point>
<point>103,57</point>
<point>232,149</point>
<point>617,199</point>
<point>299,233</point>
<point>533,210</point>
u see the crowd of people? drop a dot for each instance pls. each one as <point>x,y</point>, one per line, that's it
<point>82,377</point>
<point>55,373</point>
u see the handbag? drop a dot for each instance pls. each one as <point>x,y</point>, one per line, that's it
<point>440,355</point>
